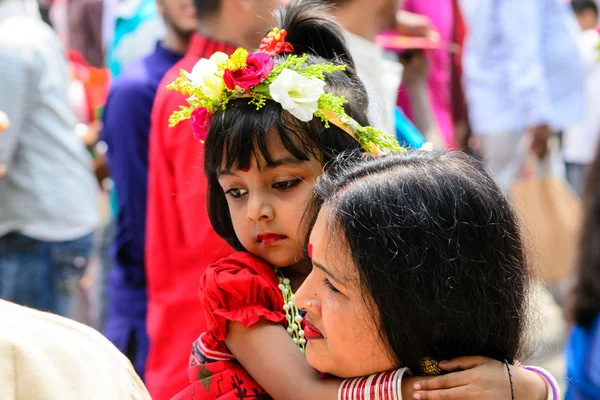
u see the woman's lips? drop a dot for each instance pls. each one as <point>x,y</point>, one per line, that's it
<point>311,332</point>
<point>267,239</point>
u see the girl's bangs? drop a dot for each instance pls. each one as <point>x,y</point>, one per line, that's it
<point>245,132</point>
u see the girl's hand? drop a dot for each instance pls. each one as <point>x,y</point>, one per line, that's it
<point>481,378</point>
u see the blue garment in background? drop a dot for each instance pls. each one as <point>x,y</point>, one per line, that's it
<point>43,275</point>
<point>126,130</point>
<point>406,133</point>
<point>138,26</point>
<point>583,363</point>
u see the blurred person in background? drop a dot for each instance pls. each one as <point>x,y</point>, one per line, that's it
<point>84,19</point>
<point>440,79</point>
<point>362,20</point>
<point>44,356</point>
<point>48,194</point>
<point>580,139</point>
<point>126,131</point>
<point>180,242</point>
<point>583,348</point>
<point>524,78</point>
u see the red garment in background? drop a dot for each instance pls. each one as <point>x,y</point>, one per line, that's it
<point>96,82</point>
<point>180,242</point>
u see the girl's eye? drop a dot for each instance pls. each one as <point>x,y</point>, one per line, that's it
<point>236,193</point>
<point>330,286</point>
<point>286,185</point>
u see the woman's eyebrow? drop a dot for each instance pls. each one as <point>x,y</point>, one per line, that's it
<point>328,272</point>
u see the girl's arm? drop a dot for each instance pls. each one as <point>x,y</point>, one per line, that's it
<point>268,354</point>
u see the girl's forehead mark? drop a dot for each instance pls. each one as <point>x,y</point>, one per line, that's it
<point>310,250</point>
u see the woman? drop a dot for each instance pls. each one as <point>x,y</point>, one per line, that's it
<point>415,256</point>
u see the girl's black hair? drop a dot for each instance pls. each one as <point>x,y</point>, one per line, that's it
<point>585,302</point>
<point>438,249</point>
<point>240,132</point>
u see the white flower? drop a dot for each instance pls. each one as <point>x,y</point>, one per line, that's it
<point>427,146</point>
<point>206,74</point>
<point>297,94</point>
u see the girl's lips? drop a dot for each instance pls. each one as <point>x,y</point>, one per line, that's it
<point>267,239</point>
<point>311,332</point>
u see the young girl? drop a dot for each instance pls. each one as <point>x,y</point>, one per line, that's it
<point>272,121</point>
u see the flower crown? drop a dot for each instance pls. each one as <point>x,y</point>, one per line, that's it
<point>297,87</point>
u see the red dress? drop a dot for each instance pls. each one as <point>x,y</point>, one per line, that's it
<point>241,288</point>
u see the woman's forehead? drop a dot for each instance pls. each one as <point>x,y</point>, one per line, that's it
<point>330,247</point>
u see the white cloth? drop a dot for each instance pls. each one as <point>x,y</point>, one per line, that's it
<point>49,192</point>
<point>522,66</point>
<point>381,77</point>
<point>47,357</point>
<point>581,140</point>
<point>503,155</point>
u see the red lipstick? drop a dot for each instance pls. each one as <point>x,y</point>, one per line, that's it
<point>311,332</point>
<point>267,239</point>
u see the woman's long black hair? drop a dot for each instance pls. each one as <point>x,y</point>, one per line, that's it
<point>437,248</point>
<point>240,132</point>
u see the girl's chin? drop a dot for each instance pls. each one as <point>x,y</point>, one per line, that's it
<point>279,259</point>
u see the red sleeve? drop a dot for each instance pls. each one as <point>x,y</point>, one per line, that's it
<point>240,288</point>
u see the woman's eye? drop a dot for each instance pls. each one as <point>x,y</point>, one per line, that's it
<point>236,193</point>
<point>330,286</point>
<point>286,184</point>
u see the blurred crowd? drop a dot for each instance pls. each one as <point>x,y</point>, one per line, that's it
<point>98,214</point>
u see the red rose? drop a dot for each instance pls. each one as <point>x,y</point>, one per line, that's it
<point>201,119</point>
<point>258,66</point>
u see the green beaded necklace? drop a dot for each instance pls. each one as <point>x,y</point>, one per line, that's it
<point>292,314</point>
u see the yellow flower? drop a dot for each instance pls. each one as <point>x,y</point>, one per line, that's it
<point>237,59</point>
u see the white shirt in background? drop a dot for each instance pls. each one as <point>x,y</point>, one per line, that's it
<point>580,141</point>
<point>44,356</point>
<point>49,192</point>
<point>521,65</point>
<point>381,77</point>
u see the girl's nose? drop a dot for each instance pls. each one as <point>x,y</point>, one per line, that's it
<point>259,209</point>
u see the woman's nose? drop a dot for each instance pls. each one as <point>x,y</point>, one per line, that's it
<point>307,296</point>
